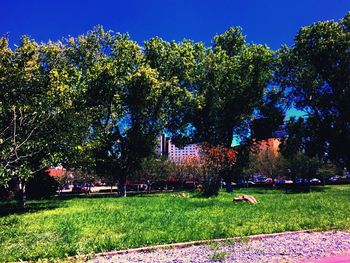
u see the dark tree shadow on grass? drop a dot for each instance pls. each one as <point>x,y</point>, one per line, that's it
<point>317,189</point>
<point>11,207</point>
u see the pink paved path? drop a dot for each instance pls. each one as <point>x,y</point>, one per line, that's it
<point>334,259</point>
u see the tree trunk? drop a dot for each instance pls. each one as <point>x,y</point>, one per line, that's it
<point>122,187</point>
<point>89,188</point>
<point>148,186</point>
<point>229,187</point>
<point>21,194</point>
<point>273,184</point>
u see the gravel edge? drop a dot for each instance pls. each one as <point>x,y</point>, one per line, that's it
<point>198,242</point>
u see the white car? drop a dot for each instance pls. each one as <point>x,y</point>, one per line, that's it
<point>315,181</point>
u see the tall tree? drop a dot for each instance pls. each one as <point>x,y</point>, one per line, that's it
<point>227,83</point>
<point>36,95</point>
<point>316,71</point>
<point>129,102</point>
<point>233,78</point>
<point>179,62</point>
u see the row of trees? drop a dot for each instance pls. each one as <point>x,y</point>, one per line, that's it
<point>298,167</point>
<point>99,101</point>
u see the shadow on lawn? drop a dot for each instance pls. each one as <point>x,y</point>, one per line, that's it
<point>11,207</point>
<point>318,188</point>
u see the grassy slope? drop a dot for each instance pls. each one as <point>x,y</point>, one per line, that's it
<point>57,228</point>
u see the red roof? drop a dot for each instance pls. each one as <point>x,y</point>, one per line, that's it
<point>55,171</point>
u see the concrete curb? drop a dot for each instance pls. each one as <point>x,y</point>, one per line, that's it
<point>196,243</point>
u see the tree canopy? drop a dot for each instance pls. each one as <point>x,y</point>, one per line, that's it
<point>316,73</point>
<point>100,100</point>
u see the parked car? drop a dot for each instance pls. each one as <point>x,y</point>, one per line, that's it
<point>259,179</point>
<point>160,185</point>
<point>245,182</point>
<point>79,187</point>
<point>269,181</point>
<point>280,181</point>
<point>334,178</point>
<point>135,187</point>
<point>223,183</point>
<point>302,181</point>
<point>315,181</point>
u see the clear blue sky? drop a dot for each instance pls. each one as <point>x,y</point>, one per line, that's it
<point>271,22</point>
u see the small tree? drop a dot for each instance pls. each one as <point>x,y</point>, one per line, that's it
<point>217,163</point>
<point>155,169</point>
<point>270,163</point>
<point>63,178</point>
<point>190,168</point>
<point>302,166</point>
<point>326,171</point>
<point>37,93</point>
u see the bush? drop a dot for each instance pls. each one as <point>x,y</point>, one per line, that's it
<point>211,186</point>
<point>8,192</point>
<point>42,185</point>
<point>4,193</point>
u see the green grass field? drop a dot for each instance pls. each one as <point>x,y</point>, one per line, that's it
<point>59,228</point>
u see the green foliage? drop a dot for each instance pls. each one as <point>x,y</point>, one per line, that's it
<point>156,169</point>
<point>231,83</point>
<point>178,63</point>
<point>55,228</point>
<point>211,185</point>
<point>41,185</point>
<point>302,166</point>
<point>219,256</point>
<point>99,101</point>
<point>327,171</point>
<point>268,163</point>
<point>285,165</point>
<point>232,41</point>
<point>271,114</point>
<point>129,101</point>
<point>316,69</point>
<point>226,81</point>
<point>38,92</point>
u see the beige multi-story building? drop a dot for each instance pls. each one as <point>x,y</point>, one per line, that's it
<point>179,155</point>
<point>166,148</point>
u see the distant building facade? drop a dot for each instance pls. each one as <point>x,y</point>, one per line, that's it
<point>178,155</point>
<point>267,142</point>
<point>162,146</point>
<point>273,142</point>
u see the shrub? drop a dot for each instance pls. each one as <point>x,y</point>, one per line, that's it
<point>41,185</point>
<point>211,186</point>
